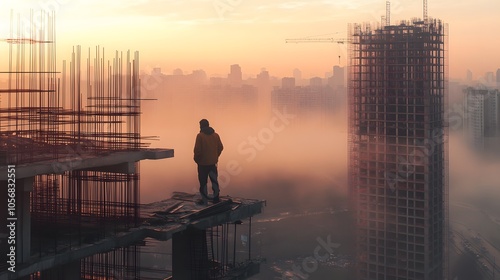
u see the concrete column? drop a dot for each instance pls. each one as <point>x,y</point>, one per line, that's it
<point>190,255</point>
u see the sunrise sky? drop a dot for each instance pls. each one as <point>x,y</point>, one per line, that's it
<point>213,34</point>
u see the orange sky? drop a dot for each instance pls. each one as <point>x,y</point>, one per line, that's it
<point>213,34</point>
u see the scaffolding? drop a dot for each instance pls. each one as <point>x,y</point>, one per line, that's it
<point>398,157</point>
<point>89,109</point>
<point>83,112</point>
<point>81,207</point>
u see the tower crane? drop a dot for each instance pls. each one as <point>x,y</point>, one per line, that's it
<point>318,40</point>
<point>24,41</point>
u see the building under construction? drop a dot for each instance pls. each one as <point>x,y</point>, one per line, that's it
<point>73,139</point>
<point>398,162</point>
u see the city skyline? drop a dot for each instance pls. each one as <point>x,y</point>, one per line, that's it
<point>251,33</point>
<point>350,146</point>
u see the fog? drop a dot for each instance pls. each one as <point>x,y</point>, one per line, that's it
<point>297,162</point>
<point>308,152</point>
<point>293,160</point>
<point>471,174</point>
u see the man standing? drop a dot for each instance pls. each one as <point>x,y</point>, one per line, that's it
<point>207,150</point>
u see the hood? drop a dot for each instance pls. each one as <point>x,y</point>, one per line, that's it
<point>207,130</point>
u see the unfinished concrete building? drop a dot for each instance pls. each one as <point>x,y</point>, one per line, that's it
<point>73,139</point>
<point>398,173</point>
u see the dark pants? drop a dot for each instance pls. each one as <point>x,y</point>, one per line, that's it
<point>205,172</point>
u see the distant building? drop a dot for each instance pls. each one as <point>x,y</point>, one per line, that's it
<point>263,77</point>
<point>337,83</point>
<point>498,78</point>
<point>328,75</point>
<point>199,76</point>
<point>178,72</point>
<point>297,74</point>
<point>235,76</point>
<point>288,83</point>
<point>315,100</point>
<point>468,76</point>
<point>482,119</point>
<point>218,98</point>
<point>156,71</point>
<point>217,81</point>
<point>337,80</point>
<point>489,77</point>
<point>316,82</point>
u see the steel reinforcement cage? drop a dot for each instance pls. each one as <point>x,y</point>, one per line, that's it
<point>89,109</point>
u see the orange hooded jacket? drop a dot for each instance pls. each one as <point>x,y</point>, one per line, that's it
<point>207,147</point>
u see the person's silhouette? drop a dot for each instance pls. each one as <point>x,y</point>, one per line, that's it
<point>207,150</point>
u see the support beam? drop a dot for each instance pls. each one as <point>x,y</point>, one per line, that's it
<point>126,168</point>
<point>79,162</point>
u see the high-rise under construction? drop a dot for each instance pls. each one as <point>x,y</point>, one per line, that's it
<point>398,166</point>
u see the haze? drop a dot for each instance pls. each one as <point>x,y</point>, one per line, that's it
<point>295,160</point>
<point>212,34</point>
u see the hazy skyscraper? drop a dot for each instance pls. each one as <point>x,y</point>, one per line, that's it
<point>263,76</point>
<point>297,74</point>
<point>200,76</point>
<point>235,76</point>
<point>338,76</point>
<point>288,83</point>
<point>316,82</point>
<point>498,77</point>
<point>314,100</point>
<point>489,77</point>
<point>481,121</point>
<point>468,75</point>
<point>397,151</point>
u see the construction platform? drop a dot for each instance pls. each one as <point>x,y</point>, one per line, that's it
<point>163,220</point>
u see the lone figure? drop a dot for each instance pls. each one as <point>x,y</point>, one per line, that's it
<point>207,150</point>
